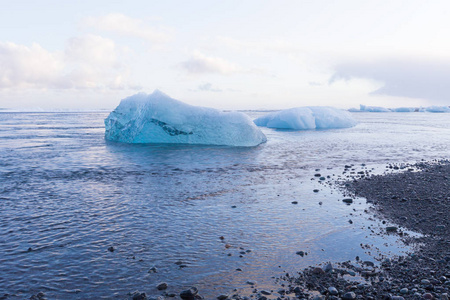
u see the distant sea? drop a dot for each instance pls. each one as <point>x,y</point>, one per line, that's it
<point>213,217</point>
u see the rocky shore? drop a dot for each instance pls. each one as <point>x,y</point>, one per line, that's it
<point>417,199</point>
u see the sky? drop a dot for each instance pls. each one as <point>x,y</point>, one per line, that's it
<point>225,54</point>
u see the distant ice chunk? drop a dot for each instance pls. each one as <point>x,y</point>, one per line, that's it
<point>405,109</point>
<point>433,109</point>
<point>308,117</point>
<point>157,118</point>
<point>438,109</point>
<point>373,108</point>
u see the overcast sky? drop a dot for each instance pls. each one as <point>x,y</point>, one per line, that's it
<point>225,54</point>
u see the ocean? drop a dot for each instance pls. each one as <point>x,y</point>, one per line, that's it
<point>206,216</point>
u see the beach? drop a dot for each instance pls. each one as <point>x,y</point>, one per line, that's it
<point>417,199</point>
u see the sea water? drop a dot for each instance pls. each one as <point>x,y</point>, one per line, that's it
<point>204,216</point>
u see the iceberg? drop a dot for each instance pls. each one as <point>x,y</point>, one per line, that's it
<point>308,117</point>
<point>405,109</point>
<point>438,109</point>
<point>433,109</point>
<point>373,108</point>
<point>157,118</point>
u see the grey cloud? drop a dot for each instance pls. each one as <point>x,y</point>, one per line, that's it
<point>402,77</point>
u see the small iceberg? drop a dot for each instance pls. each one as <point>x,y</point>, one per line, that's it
<point>438,109</point>
<point>405,109</point>
<point>373,108</point>
<point>309,117</point>
<point>432,109</point>
<point>157,118</point>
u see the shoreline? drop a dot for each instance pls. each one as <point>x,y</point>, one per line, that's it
<point>416,199</point>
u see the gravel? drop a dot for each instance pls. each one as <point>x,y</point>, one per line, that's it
<point>417,199</point>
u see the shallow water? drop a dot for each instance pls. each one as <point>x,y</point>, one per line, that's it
<point>68,195</point>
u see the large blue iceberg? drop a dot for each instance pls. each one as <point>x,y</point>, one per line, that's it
<point>309,117</point>
<point>157,118</point>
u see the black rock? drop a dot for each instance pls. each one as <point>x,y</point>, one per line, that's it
<point>162,286</point>
<point>349,296</point>
<point>38,296</point>
<point>189,294</point>
<point>333,291</point>
<point>369,263</point>
<point>139,296</point>
<point>391,229</point>
<point>301,253</point>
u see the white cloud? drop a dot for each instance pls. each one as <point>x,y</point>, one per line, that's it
<point>201,64</point>
<point>126,26</point>
<point>91,49</point>
<point>22,66</point>
<point>95,63</point>
<point>260,46</point>
<point>88,62</point>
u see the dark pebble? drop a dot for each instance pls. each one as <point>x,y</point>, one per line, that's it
<point>391,229</point>
<point>349,296</point>
<point>139,296</point>
<point>189,294</point>
<point>301,253</point>
<point>162,286</point>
